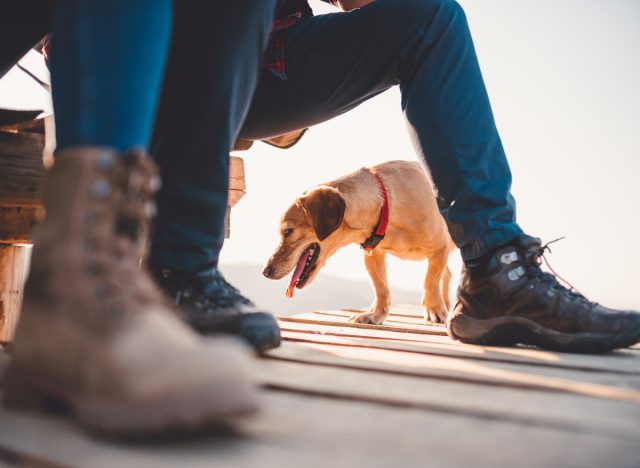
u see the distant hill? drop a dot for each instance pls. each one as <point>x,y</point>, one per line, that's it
<point>326,292</point>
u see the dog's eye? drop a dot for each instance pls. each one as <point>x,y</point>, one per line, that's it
<point>287,232</point>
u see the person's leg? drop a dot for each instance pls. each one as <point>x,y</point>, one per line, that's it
<point>220,44</point>
<point>22,25</point>
<point>95,332</point>
<point>334,62</point>
<point>213,67</point>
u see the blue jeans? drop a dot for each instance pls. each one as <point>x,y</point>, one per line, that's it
<point>424,47</point>
<point>213,70</point>
<point>106,64</point>
<point>335,62</point>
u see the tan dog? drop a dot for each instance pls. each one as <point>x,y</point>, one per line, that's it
<point>347,210</point>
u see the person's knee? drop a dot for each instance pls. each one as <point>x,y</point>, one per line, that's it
<point>430,9</point>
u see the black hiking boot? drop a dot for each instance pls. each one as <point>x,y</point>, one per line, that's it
<point>211,306</point>
<point>509,300</point>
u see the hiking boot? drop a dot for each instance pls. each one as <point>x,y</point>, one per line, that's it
<point>509,300</point>
<point>95,337</point>
<point>211,305</point>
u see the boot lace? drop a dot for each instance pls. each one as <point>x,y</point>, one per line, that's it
<point>214,292</point>
<point>533,261</point>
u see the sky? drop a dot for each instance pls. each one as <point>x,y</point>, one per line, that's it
<point>563,78</point>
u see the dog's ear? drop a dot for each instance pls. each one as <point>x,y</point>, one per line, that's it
<point>324,207</point>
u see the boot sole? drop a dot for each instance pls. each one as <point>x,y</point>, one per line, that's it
<point>183,413</point>
<point>261,331</point>
<point>258,329</point>
<point>510,331</point>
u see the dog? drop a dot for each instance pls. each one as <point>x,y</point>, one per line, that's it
<point>388,209</point>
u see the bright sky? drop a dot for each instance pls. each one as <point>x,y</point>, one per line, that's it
<point>563,76</point>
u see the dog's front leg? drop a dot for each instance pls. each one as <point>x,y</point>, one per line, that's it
<point>377,267</point>
<point>433,301</point>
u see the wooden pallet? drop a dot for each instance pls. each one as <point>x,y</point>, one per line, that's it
<point>398,395</point>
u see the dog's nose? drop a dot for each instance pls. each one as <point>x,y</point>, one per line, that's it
<point>267,271</point>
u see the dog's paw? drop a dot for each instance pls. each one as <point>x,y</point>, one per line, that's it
<point>436,315</point>
<point>367,317</point>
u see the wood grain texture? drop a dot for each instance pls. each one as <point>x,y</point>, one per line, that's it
<point>303,430</point>
<point>14,260</point>
<point>21,168</point>
<point>17,222</point>
<point>619,362</point>
<point>336,395</point>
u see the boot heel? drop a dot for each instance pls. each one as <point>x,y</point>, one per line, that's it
<point>23,393</point>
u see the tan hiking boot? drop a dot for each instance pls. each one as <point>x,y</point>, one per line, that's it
<point>95,334</point>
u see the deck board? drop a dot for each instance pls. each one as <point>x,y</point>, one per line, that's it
<point>402,394</point>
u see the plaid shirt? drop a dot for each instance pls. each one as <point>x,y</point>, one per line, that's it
<point>288,13</point>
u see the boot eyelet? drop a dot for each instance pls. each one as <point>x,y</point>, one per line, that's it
<point>105,162</point>
<point>509,258</point>
<point>100,189</point>
<point>515,274</point>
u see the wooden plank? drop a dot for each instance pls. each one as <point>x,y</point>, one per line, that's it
<point>521,377</point>
<point>307,430</point>
<point>562,411</point>
<point>375,332</point>
<point>626,361</point>
<point>9,118</point>
<point>17,222</point>
<point>236,172</point>
<point>235,196</point>
<point>392,320</point>
<point>397,312</point>
<point>21,168</point>
<point>14,261</point>
<point>237,182</point>
<point>342,321</point>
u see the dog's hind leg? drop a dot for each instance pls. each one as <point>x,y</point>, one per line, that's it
<point>377,268</point>
<point>435,304</point>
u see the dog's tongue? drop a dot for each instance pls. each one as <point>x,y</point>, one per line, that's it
<point>297,273</point>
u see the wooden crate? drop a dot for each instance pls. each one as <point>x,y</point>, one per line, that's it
<point>21,176</point>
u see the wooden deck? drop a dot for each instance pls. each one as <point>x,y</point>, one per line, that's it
<point>398,395</point>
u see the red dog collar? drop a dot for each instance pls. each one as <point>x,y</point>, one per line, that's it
<point>381,228</point>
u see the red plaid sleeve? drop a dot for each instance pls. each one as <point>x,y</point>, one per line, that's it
<point>274,57</point>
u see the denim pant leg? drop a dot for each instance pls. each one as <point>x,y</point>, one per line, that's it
<point>22,25</point>
<point>107,61</point>
<point>336,61</point>
<point>212,72</point>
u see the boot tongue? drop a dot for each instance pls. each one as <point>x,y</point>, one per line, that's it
<point>530,243</point>
<point>297,273</point>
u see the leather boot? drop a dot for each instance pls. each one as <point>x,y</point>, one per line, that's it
<point>95,335</point>
<point>510,300</point>
<point>213,306</point>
